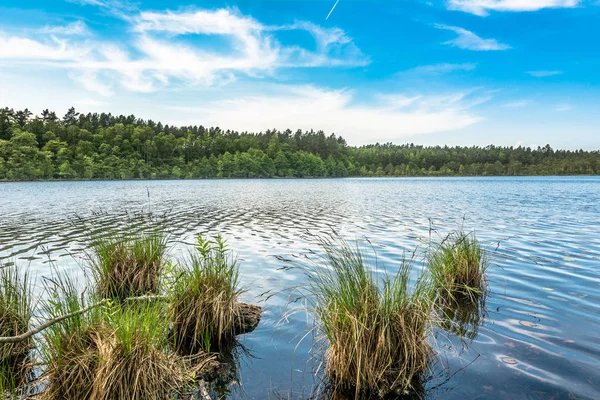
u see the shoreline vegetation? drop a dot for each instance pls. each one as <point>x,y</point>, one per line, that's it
<point>107,147</point>
<point>121,337</point>
<point>145,327</point>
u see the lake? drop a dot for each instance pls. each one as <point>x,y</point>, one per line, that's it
<point>540,334</point>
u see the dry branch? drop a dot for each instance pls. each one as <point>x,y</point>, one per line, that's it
<point>24,336</point>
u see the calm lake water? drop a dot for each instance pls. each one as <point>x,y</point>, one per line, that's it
<point>540,337</point>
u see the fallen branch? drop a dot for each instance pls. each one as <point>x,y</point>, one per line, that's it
<point>24,336</point>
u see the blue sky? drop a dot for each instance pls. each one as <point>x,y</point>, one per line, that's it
<point>456,72</point>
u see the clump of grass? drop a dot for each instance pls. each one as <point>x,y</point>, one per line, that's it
<point>114,351</point>
<point>457,265</point>
<point>136,362</point>
<point>70,349</point>
<point>128,265</point>
<point>204,298</point>
<point>377,329</point>
<point>15,316</point>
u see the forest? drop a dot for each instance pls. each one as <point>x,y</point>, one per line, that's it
<point>105,146</point>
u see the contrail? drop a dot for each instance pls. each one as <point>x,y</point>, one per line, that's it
<point>334,6</point>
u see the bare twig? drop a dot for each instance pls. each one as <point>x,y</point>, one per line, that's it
<point>24,336</point>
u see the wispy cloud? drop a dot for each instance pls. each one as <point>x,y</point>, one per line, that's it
<point>123,9</point>
<point>470,41</point>
<point>88,79</point>
<point>74,28</point>
<point>483,7</point>
<point>544,74</point>
<point>392,117</point>
<point>153,55</point>
<point>563,107</point>
<point>444,68</point>
<point>52,49</point>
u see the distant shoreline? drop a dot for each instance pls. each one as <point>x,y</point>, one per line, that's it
<point>294,178</point>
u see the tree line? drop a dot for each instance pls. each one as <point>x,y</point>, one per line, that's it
<point>106,146</point>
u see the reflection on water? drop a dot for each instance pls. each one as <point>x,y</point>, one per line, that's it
<point>462,316</point>
<point>539,338</point>
<point>223,380</point>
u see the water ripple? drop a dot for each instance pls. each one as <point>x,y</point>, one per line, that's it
<point>538,340</point>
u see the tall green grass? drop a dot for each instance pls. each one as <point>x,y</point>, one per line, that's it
<point>129,264</point>
<point>119,350</point>
<point>458,265</point>
<point>136,360</point>
<point>69,349</point>
<point>15,315</point>
<point>204,296</point>
<point>376,329</point>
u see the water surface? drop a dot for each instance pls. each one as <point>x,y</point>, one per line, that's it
<point>543,309</point>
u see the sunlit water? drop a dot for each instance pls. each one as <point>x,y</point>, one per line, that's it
<point>543,309</point>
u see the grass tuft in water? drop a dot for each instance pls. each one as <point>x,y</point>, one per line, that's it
<point>204,298</point>
<point>128,265</point>
<point>377,329</point>
<point>15,317</point>
<point>69,349</point>
<point>115,351</point>
<point>457,265</point>
<point>136,360</point>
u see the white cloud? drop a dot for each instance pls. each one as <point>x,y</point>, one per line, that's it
<point>483,7</point>
<point>389,118</point>
<point>544,74</point>
<point>52,49</point>
<point>119,8</point>
<point>88,79</point>
<point>154,56</point>
<point>216,22</point>
<point>334,47</point>
<point>563,107</point>
<point>74,28</point>
<point>469,41</point>
<point>444,68</point>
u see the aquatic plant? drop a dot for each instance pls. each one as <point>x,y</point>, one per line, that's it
<point>376,329</point>
<point>203,299</point>
<point>457,265</point>
<point>136,361</point>
<point>111,351</point>
<point>128,265</point>
<point>69,349</point>
<point>15,316</point>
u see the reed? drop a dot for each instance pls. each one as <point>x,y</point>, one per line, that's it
<point>128,265</point>
<point>458,265</point>
<point>69,349</point>
<point>136,361</point>
<point>15,316</point>
<point>113,351</point>
<point>376,329</point>
<point>203,299</point>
